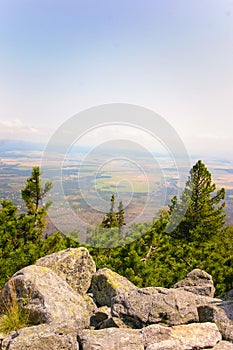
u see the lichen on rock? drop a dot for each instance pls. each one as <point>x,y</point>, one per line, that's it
<point>75,265</point>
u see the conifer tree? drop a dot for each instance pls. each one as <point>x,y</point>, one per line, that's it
<point>34,192</point>
<point>205,215</point>
<point>121,219</point>
<point>110,219</point>
<point>21,234</point>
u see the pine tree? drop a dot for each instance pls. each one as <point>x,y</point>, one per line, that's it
<point>110,219</point>
<point>33,193</point>
<point>121,219</point>
<point>204,207</point>
<point>21,234</point>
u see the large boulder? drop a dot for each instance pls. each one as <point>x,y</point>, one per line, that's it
<point>182,337</point>
<point>74,265</point>
<point>223,345</point>
<point>46,296</point>
<point>217,311</point>
<point>110,338</point>
<point>143,306</point>
<point>196,335</point>
<point>198,282</point>
<point>106,284</point>
<point>42,337</point>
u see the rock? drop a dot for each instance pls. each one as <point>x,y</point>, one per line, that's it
<point>155,333</point>
<point>106,284</point>
<point>223,345</point>
<point>165,345</point>
<point>46,296</point>
<point>42,337</point>
<point>102,318</point>
<point>112,322</point>
<point>100,315</point>
<point>110,338</point>
<point>197,282</point>
<point>219,312</point>
<point>196,335</point>
<point>90,305</point>
<point>75,265</point>
<point>143,306</point>
<point>228,295</point>
<point>183,337</point>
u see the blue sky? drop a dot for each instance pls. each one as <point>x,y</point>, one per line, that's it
<point>175,57</point>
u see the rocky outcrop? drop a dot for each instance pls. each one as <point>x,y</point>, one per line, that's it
<point>46,296</point>
<point>199,335</point>
<point>106,284</point>
<point>220,312</point>
<point>115,314</point>
<point>197,282</point>
<point>111,338</point>
<point>42,337</point>
<point>74,265</point>
<point>143,306</point>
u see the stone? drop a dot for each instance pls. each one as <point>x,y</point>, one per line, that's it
<point>228,295</point>
<point>101,314</point>
<point>74,265</point>
<point>112,322</point>
<point>42,337</point>
<point>110,338</point>
<point>165,345</point>
<point>106,284</point>
<point>46,296</point>
<point>197,282</point>
<point>155,333</point>
<point>217,311</point>
<point>144,306</point>
<point>223,345</point>
<point>196,335</point>
<point>90,305</point>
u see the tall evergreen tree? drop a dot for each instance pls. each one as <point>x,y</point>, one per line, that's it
<point>110,219</point>
<point>34,192</point>
<point>205,215</point>
<point>21,234</point>
<point>121,219</point>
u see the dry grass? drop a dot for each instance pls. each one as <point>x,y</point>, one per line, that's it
<point>13,316</point>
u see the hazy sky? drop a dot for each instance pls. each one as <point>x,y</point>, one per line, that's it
<point>58,57</point>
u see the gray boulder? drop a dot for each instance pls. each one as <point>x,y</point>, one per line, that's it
<point>197,282</point>
<point>228,296</point>
<point>154,334</point>
<point>106,284</point>
<point>182,337</point>
<point>143,306</point>
<point>42,337</point>
<point>110,338</point>
<point>46,296</point>
<point>74,265</point>
<point>196,335</point>
<point>217,311</point>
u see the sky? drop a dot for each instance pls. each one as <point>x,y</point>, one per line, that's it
<point>174,57</point>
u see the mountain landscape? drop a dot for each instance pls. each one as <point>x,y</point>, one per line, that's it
<point>144,183</point>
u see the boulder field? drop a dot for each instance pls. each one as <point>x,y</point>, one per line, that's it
<point>72,306</point>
